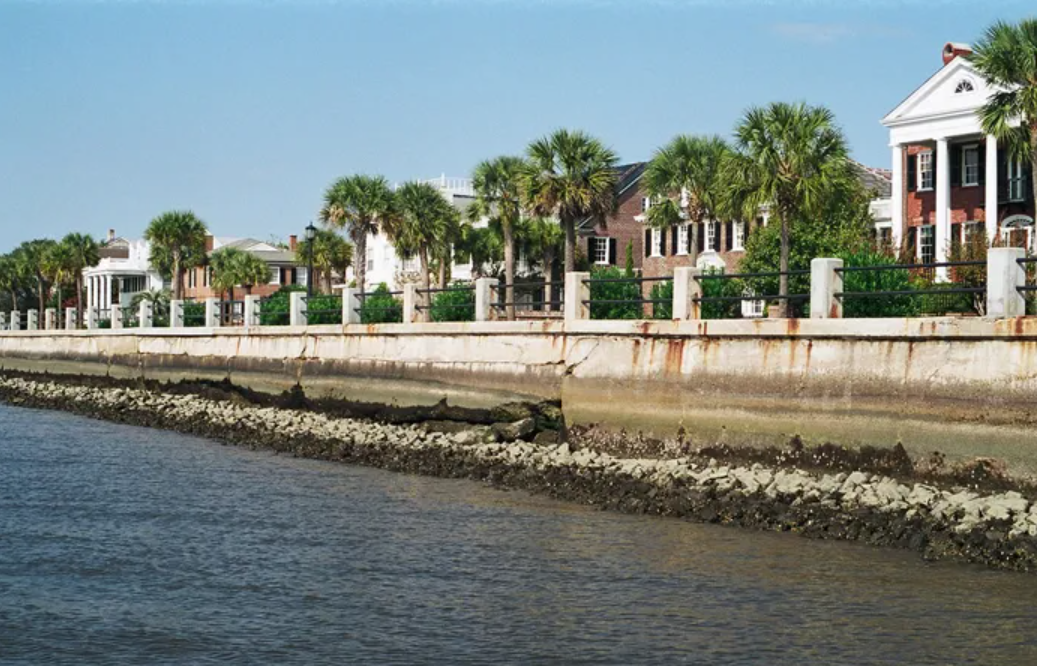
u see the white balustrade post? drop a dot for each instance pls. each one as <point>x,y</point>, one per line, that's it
<point>577,292</point>
<point>410,302</point>
<point>146,315</point>
<point>33,323</point>
<point>16,320</point>
<point>50,319</point>
<point>687,290</point>
<point>91,318</point>
<point>251,311</point>
<point>826,281</point>
<point>990,203</point>
<point>212,313</point>
<point>1004,275</point>
<point>351,305</point>
<point>3,321</point>
<point>71,317</point>
<point>484,287</point>
<point>116,316</point>
<point>297,309</point>
<point>943,206</point>
<point>176,314</point>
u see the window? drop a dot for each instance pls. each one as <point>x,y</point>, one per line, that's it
<point>927,247</point>
<point>884,237</point>
<point>974,232</point>
<point>713,236</point>
<point>970,165</point>
<point>683,238</point>
<point>964,86</point>
<point>925,170</point>
<point>302,276</point>
<point>601,250</point>
<point>370,264</point>
<point>1016,181</point>
<point>275,275</point>
<point>646,203</point>
<point>751,309</point>
<point>657,242</point>
<point>739,240</point>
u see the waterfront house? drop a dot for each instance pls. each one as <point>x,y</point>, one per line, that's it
<point>285,268</point>
<point>123,272</point>
<point>950,182</point>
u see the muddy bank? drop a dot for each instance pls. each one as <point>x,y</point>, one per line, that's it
<point>995,528</point>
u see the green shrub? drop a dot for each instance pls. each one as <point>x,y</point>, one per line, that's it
<point>662,291</point>
<point>458,304</point>
<point>324,309</point>
<point>194,314</point>
<point>888,280</point>
<point>611,291</point>
<point>723,289</point>
<point>381,307</point>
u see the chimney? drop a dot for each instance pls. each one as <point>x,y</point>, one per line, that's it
<point>111,235</point>
<point>293,242</point>
<point>952,50</point>
<point>208,243</point>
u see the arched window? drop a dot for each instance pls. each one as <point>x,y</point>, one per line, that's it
<point>964,86</point>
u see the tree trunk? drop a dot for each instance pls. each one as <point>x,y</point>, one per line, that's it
<point>14,299</point>
<point>783,280</point>
<point>693,240</point>
<point>442,272</point>
<point>423,281</point>
<point>509,271</point>
<point>327,280</point>
<point>41,294</point>
<point>79,300</point>
<point>1033,164</point>
<point>178,287</point>
<point>360,243</point>
<point>57,313</point>
<point>570,245</point>
<point>549,260</point>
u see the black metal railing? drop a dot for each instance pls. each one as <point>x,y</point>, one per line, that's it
<point>324,309</point>
<point>530,296</point>
<point>912,289</point>
<point>716,298</point>
<point>623,298</point>
<point>379,313</point>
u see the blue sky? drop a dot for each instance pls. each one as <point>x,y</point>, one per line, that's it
<point>111,112</point>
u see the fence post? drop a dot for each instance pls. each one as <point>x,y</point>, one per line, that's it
<point>212,313</point>
<point>576,292</point>
<point>3,321</point>
<point>251,311</point>
<point>50,316</point>
<point>410,302</point>
<point>825,283</point>
<point>33,323</point>
<point>297,309</point>
<point>16,320</point>
<point>71,315</point>
<point>687,289</point>
<point>351,305</point>
<point>1004,275</point>
<point>176,314</point>
<point>146,315</point>
<point>116,316</point>
<point>91,318</point>
<point>484,287</point>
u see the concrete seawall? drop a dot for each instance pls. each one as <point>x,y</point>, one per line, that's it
<point>964,387</point>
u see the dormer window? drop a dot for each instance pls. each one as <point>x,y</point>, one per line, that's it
<point>964,86</point>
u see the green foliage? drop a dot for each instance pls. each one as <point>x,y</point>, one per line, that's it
<point>723,289</point>
<point>356,204</point>
<point>381,307</point>
<point>331,253</point>
<point>887,280</point>
<point>607,291</point>
<point>194,314</point>
<point>685,171</point>
<point>458,304</point>
<point>663,291</point>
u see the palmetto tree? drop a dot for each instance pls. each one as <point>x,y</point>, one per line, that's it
<point>29,257</point>
<point>60,266</point>
<point>10,278</point>
<point>684,181</point>
<point>571,176</point>
<point>789,157</point>
<point>251,270</point>
<point>498,195</point>
<point>225,264</point>
<point>421,225</point>
<point>331,252</point>
<point>1006,56</point>
<point>541,239</point>
<point>86,254</point>
<point>177,242</point>
<point>359,204</point>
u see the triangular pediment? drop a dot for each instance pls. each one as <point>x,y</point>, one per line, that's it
<point>956,88</point>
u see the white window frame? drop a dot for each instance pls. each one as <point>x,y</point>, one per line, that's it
<point>738,242</point>
<point>646,203</point>
<point>965,151</point>
<point>657,243</point>
<point>926,171</point>
<point>927,237</point>
<point>602,258</point>
<point>969,230</point>
<point>275,275</point>
<point>683,239</point>
<point>302,276</point>
<point>752,309</point>
<point>711,243</point>
<point>1016,182</point>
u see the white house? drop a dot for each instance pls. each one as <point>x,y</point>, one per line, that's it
<point>123,272</point>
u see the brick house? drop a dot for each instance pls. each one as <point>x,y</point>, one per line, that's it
<point>282,262</point>
<point>605,244</point>
<point>951,182</point>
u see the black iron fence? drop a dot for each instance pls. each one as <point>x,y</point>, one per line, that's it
<point>453,303</point>
<point>380,306</point>
<point>905,290</point>
<point>624,297</point>
<point>529,297</point>
<point>723,294</point>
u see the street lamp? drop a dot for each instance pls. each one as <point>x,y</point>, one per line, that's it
<point>311,233</point>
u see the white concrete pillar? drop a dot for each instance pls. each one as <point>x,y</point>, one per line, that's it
<point>577,292</point>
<point>825,282</point>
<point>146,316</point>
<point>410,302</point>
<point>484,287</point>
<point>898,191</point>
<point>16,321</point>
<point>91,318</point>
<point>212,312</point>
<point>71,315</point>
<point>687,290</point>
<point>251,319</point>
<point>943,205</point>
<point>297,309</point>
<point>33,323</point>
<point>176,314</point>
<point>116,316</point>
<point>1004,275</point>
<point>3,321</point>
<point>50,319</point>
<point>990,196</point>
<point>351,303</point>
<point>106,291</point>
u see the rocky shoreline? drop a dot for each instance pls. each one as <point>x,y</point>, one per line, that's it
<point>994,528</point>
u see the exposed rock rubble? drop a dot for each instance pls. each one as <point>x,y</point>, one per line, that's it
<point>997,529</point>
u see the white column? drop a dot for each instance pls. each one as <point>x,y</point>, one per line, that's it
<point>70,319</point>
<point>1004,276</point>
<point>991,190</point>
<point>50,319</point>
<point>89,292</point>
<point>212,312</point>
<point>943,205</point>
<point>687,290</point>
<point>146,315</point>
<point>251,311</point>
<point>297,309</point>
<point>351,304</point>
<point>825,282</point>
<point>176,314</point>
<point>484,298</point>
<point>410,303</point>
<point>897,202</point>
<point>576,292</point>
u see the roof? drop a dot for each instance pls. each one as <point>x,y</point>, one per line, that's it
<point>261,249</point>
<point>627,176</point>
<point>875,180</point>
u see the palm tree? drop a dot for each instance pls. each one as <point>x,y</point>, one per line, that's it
<point>30,260</point>
<point>443,251</point>
<point>789,157</point>
<point>59,267</point>
<point>10,278</point>
<point>420,226</point>
<point>359,204</point>
<point>498,195</point>
<point>1006,56</point>
<point>177,242</point>
<point>86,254</point>
<point>331,252</point>
<point>571,176</point>
<point>251,270</point>
<point>542,238</point>
<point>684,181</point>
<point>226,274</point>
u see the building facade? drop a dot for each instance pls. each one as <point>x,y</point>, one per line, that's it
<point>283,268</point>
<point>123,272</point>
<point>951,182</point>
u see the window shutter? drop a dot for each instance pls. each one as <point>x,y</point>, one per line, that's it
<point>982,164</point>
<point>912,173</point>
<point>1027,182</point>
<point>955,237</point>
<point>1002,176</point>
<point>592,246</point>
<point>729,242</point>
<point>745,234</point>
<point>612,251</point>
<point>662,242</point>
<point>912,242</point>
<point>673,239</point>
<point>957,154</point>
<point>701,228</point>
<point>648,242</point>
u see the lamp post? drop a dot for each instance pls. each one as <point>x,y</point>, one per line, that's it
<point>311,233</point>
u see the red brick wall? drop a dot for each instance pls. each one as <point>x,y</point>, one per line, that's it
<point>624,228</point>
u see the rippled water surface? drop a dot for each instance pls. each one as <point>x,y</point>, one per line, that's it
<point>121,545</point>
